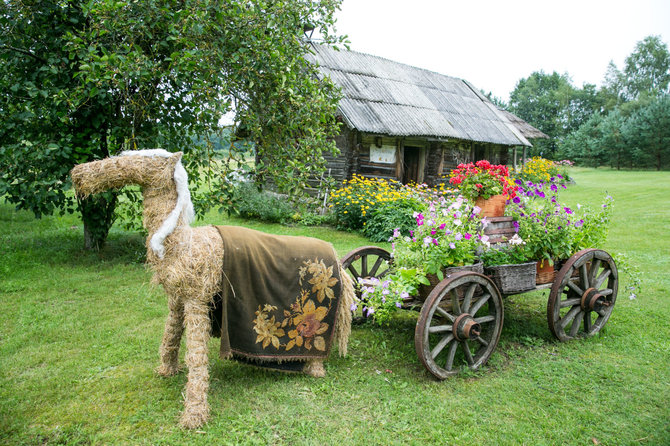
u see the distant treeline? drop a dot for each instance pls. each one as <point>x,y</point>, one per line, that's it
<point>623,124</point>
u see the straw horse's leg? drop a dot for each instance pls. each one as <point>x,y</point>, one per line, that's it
<point>314,368</point>
<point>196,408</point>
<point>174,327</point>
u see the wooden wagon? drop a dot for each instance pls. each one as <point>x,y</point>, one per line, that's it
<point>461,318</point>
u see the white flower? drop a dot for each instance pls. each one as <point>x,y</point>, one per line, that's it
<point>516,240</point>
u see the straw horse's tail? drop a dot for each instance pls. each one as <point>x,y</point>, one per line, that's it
<point>343,321</point>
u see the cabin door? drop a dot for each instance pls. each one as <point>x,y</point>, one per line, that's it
<point>414,160</point>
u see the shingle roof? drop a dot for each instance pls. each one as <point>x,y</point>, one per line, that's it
<point>386,97</point>
<point>526,129</point>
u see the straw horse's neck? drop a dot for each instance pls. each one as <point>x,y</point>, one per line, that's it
<point>168,209</point>
<point>158,205</point>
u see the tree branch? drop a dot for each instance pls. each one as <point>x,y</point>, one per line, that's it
<point>22,51</point>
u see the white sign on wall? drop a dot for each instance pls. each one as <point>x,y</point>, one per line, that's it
<point>384,154</point>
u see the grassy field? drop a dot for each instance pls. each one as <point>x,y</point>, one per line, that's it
<point>79,338</point>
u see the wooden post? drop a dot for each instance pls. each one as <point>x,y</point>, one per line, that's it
<point>523,161</point>
<point>514,158</point>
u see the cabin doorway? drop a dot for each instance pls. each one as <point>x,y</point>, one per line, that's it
<point>414,163</point>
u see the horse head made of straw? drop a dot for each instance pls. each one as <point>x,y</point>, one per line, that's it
<point>186,261</point>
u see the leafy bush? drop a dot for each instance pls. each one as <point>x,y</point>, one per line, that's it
<point>262,205</point>
<point>392,215</point>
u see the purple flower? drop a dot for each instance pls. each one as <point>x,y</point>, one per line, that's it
<point>442,226</point>
<point>433,231</point>
<point>559,176</point>
<point>516,200</point>
<point>476,210</point>
<point>552,179</point>
<point>353,307</point>
<point>516,226</point>
<point>467,236</point>
<point>553,200</point>
<point>554,187</point>
<point>579,224</point>
<point>567,210</point>
<point>404,294</point>
<point>398,304</point>
<point>436,242</point>
<point>458,236</point>
<point>519,182</point>
<point>563,186</point>
<point>386,292</point>
<point>452,246</point>
<point>370,310</point>
<point>539,193</point>
<point>427,241</point>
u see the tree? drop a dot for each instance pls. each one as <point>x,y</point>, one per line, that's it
<point>82,80</point>
<point>648,133</point>
<point>646,72</point>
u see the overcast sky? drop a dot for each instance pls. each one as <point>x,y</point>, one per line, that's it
<point>493,44</point>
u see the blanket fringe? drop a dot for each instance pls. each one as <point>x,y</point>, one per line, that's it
<point>343,321</point>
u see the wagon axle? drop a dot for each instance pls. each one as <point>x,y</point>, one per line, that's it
<point>592,300</point>
<point>465,327</point>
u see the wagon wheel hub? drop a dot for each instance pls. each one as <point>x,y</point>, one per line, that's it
<point>592,300</point>
<point>465,327</point>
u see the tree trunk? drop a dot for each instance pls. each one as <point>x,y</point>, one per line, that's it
<point>97,213</point>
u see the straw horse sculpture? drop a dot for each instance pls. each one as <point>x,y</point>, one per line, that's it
<point>187,262</point>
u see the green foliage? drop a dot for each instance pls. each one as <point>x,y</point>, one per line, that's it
<point>513,252</point>
<point>82,80</point>
<point>646,71</point>
<point>262,205</point>
<point>392,215</point>
<point>380,299</point>
<point>634,136</point>
<point>552,104</point>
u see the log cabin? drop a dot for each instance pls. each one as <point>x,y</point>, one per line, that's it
<point>410,124</point>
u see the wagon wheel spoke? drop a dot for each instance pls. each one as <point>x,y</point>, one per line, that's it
<point>601,278</point>
<point>570,302</point>
<point>375,267</point>
<point>364,266</point>
<point>467,300</point>
<point>570,316</point>
<point>451,355</point>
<point>480,303</point>
<point>485,319</point>
<point>482,341</point>
<point>576,324</point>
<point>584,276</point>
<point>443,312</point>
<point>440,345</point>
<point>587,322</point>
<point>468,353</point>
<point>573,286</point>
<point>595,266</point>
<point>455,305</point>
<point>354,272</point>
<point>440,328</point>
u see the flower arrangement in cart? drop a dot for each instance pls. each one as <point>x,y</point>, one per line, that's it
<point>446,235</point>
<point>483,180</point>
<point>450,233</point>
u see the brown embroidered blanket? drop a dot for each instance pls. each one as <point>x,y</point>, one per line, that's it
<point>279,297</point>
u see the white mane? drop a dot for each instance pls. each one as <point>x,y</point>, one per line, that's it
<point>184,204</point>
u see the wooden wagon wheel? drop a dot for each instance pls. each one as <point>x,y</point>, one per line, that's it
<point>459,324</point>
<point>586,284</point>
<point>367,262</point>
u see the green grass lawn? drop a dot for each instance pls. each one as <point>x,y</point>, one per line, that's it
<point>79,338</point>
